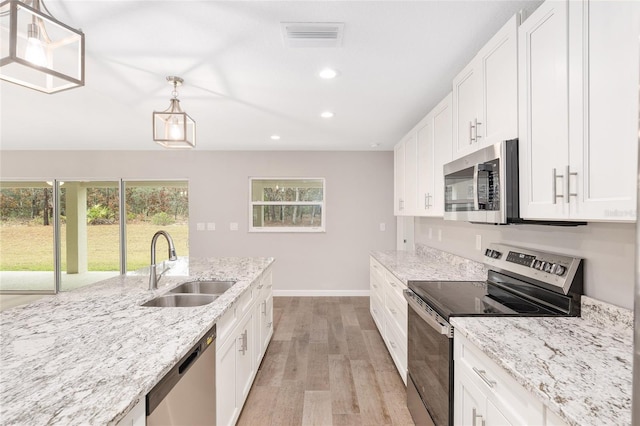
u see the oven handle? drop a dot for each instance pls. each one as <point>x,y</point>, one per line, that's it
<point>444,329</point>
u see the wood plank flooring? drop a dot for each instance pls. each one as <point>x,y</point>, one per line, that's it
<point>326,365</point>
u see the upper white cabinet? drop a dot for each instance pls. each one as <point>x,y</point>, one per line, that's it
<point>434,150</point>
<point>485,94</point>
<point>419,157</point>
<point>578,94</point>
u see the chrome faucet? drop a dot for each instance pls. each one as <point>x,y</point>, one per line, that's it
<point>153,278</point>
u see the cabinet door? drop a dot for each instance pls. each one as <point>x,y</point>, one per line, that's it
<point>245,366</point>
<point>499,65</point>
<point>442,139</point>
<point>227,406</point>
<point>469,401</point>
<point>410,175</point>
<point>398,179</point>
<point>426,172</point>
<point>493,416</point>
<point>544,138</point>
<point>465,110</point>
<point>605,159</point>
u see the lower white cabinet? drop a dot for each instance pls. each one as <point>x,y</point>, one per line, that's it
<point>389,311</point>
<point>136,417</point>
<point>485,394</point>
<point>247,329</point>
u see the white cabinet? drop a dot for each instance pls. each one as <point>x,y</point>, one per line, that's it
<point>389,311</point>
<point>485,94</point>
<point>434,150</point>
<point>485,394</point>
<point>135,417</point>
<point>405,176</point>
<point>244,332</point>
<point>579,67</point>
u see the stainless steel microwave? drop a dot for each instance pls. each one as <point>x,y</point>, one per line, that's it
<point>482,187</point>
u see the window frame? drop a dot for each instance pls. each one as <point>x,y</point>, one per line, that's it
<point>285,229</point>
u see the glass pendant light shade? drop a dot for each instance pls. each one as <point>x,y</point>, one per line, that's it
<point>37,51</point>
<point>173,128</point>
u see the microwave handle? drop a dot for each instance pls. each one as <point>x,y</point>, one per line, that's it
<point>476,201</point>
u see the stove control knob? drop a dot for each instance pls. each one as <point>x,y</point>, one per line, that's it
<point>539,265</point>
<point>488,252</point>
<point>496,254</point>
<point>560,270</point>
<point>548,266</point>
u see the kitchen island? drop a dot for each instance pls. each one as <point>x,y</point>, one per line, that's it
<point>90,355</point>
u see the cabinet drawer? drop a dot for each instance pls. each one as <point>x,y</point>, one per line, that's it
<point>377,313</point>
<point>397,346</point>
<point>225,324</point>
<point>376,269</point>
<point>395,285</point>
<point>509,397</point>
<point>396,311</point>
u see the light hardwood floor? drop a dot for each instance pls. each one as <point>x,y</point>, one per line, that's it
<point>326,365</point>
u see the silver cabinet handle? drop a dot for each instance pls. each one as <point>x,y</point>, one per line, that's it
<point>569,174</point>
<point>471,138</point>
<point>391,284</point>
<point>393,311</point>
<point>426,203</point>
<point>554,187</point>
<point>476,123</point>
<point>264,307</point>
<point>243,342</point>
<point>393,345</point>
<point>269,325</point>
<point>483,376</point>
<point>474,415</point>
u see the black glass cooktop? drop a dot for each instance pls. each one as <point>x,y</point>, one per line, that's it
<point>475,298</point>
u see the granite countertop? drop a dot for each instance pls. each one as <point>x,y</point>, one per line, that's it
<point>89,355</point>
<point>427,263</point>
<point>580,368</point>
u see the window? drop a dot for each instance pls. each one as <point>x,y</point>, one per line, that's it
<point>287,205</point>
<point>57,236</point>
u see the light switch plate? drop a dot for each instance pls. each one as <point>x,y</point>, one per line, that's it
<point>439,234</point>
<point>233,226</point>
<point>478,242</point>
<point>211,226</point>
<point>383,226</point>
<point>200,226</point>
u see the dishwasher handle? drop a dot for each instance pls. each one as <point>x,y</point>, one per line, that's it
<point>166,384</point>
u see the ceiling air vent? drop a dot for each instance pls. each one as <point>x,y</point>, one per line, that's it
<point>312,34</point>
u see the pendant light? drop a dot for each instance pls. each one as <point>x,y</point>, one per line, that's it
<point>38,51</point>
<point>173,128</point>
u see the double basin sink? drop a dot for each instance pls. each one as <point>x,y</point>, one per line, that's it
<point>191,293</point>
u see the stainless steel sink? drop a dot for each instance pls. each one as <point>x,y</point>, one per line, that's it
<point>203,287</point>
<point>181,300</point>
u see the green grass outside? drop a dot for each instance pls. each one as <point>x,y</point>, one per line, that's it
<point>30,247</point>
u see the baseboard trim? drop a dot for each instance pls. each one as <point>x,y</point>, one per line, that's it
<point>323,293</point>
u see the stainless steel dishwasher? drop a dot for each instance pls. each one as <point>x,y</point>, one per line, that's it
<point>186,395</point>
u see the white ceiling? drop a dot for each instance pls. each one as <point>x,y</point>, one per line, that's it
<point>242,84</point>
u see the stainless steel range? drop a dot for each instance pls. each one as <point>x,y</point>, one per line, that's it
<point>520,282</point>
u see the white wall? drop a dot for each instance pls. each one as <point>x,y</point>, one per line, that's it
<point>608,249</point>
<point>359,190</point>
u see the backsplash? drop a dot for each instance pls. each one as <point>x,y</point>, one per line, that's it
<point>606,315</point>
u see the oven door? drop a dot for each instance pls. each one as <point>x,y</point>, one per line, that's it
<point>430,364</point>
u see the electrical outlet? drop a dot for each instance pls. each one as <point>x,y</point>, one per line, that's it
<point>439,234</point>
<point>211,226</point>
<point>233,226</point>
<point>478,242</point>
<point>199,226</point>
<point>383,227</point>
<point>430,233</point>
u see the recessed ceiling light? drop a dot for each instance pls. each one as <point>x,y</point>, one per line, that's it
<point>327,114</point>
<point>375,145</point>
<point>328,73</point>
<point>275,137</point>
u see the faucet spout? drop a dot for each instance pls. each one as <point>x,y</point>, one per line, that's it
<point>153,277</point>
